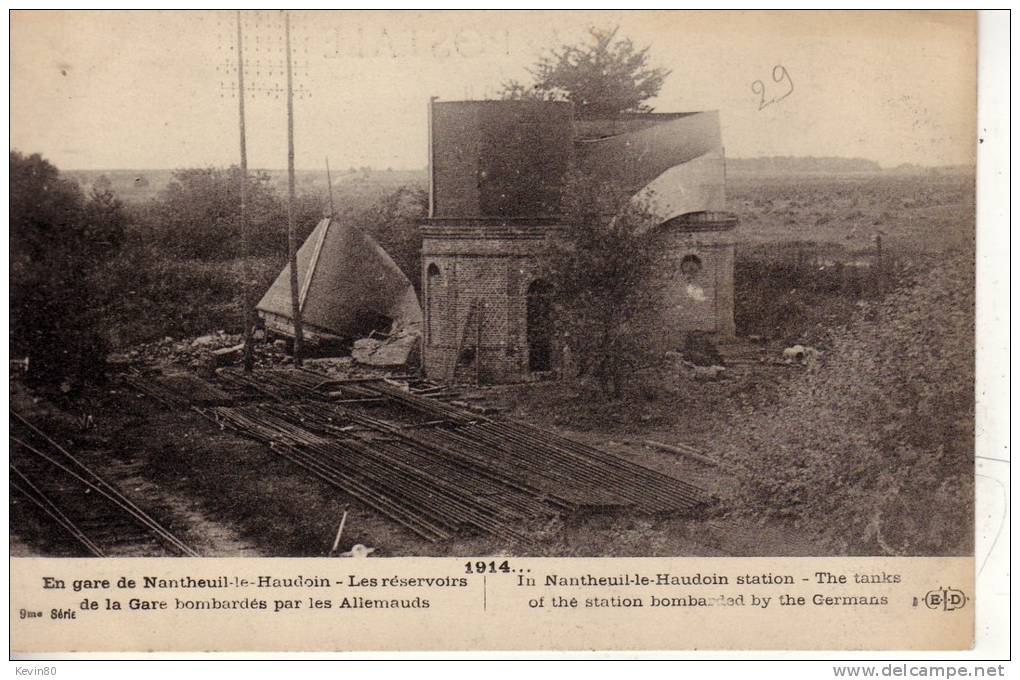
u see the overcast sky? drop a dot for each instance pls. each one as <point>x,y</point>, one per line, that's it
<point>152,89</point>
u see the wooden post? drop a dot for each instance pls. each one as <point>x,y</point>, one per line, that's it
<point>329,183</point>
<point>339,532</point>
<point>248,315</point>
<point>478,343</point>
<point>432,182</point>
<point>295,304</point>
<point>879,268</point>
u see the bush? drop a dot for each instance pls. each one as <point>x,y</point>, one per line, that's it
<point>599,270</point>
<point>149,296</point>
<point>198,215</point>
<point>58,237</point>
<point>181,273</point>
<point>874,451</point>
<point>182,270</point>
<point>796,292</point>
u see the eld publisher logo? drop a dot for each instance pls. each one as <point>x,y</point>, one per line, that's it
<point>944,599</point>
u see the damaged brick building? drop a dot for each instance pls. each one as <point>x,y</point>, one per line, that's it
<point>496,171</point>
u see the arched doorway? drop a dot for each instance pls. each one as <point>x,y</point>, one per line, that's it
<point>433,290</point>
<point>539,326</point>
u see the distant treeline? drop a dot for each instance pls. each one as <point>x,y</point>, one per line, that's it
<point>792,165</point>
<point>138,185</point>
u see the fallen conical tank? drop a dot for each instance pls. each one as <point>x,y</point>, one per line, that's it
<point>348,286</point>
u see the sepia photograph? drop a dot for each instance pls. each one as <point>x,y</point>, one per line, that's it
<point>492,285</point>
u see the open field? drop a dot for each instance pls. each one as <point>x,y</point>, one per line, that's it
<point>914,213</point>
<point>807,271</point>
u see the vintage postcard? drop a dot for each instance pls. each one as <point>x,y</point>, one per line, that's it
<point>438,331</point>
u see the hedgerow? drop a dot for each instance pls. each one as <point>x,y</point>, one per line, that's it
<point>873,450</point>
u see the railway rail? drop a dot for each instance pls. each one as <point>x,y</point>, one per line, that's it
<point>434,468</point>
<point>64,491</point>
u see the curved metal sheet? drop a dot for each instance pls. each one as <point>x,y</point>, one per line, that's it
<point>692,187</point>
<point>632,159</point>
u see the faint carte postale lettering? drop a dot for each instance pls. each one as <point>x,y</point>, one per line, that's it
<point>782,89</point>
<point>396,42</point>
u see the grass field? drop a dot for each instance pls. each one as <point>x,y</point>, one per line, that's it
<point>914,213</point>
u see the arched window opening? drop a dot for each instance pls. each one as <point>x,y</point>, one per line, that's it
<point>690,274</point>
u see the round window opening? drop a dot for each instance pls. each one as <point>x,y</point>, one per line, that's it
<point>690,267</point>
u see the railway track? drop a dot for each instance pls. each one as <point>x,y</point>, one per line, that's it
<point>435,468</point>
<point>61,491</point>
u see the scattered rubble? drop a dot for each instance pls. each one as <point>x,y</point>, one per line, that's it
<point>805,356</point>
<point>227,355</point>
<point>698,373</point>
<point>704,373</point>
<point>203,353</point>
<point>396,351</point>
<point>370,357</point>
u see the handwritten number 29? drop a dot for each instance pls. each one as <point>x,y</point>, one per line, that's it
<point>779,75</point>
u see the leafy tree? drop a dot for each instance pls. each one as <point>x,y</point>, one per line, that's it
<point>514,89</point>
<point>198,215</point>
<point>604,77</point>
<point>183,268</point>
<point>599,268</point>
<point>58,239</point>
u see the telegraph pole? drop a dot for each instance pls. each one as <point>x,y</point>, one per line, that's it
<point>329,183</point>
<point>249,320</point>
<point>291,241</point>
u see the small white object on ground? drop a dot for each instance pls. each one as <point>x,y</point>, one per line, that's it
<point>358,550</point>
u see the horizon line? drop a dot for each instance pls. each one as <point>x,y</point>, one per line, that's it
<point>425,167</point>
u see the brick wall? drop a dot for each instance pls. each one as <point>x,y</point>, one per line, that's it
<point>700,300</point>
<point>478,274</point>
<point>490,269</point>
